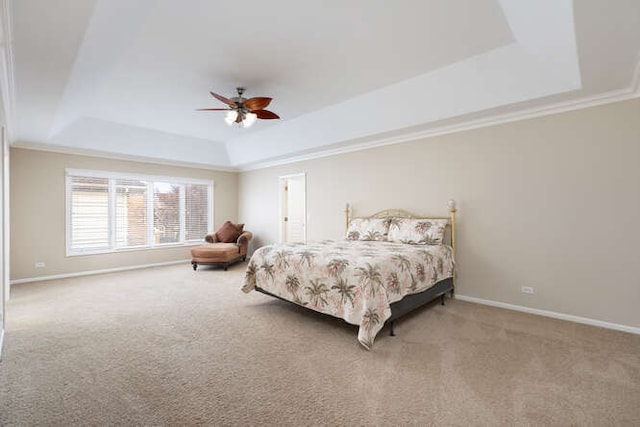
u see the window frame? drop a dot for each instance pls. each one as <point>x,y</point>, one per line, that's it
<point>150,180</point>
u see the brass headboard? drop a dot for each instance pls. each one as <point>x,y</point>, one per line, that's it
<point>399,213</point>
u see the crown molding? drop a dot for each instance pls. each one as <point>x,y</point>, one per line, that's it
<point>115,156</point>
<point>633,91</point>
<point>7,82</point>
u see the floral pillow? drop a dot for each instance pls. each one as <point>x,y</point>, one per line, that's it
<point>417,231</point>
<point>368,229</point>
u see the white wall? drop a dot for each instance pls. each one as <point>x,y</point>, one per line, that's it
<point>551,203</point>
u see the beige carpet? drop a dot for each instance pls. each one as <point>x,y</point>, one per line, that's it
<point>170,346</point>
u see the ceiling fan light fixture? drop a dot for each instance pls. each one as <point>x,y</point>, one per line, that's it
<point>231,117</point>
<point>245,112</point>
<point>249,119</point>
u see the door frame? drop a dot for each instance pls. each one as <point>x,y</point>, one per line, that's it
<point>4,233</point>
<point>281,203</point>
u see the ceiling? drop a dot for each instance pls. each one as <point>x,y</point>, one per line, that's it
<point>123,78</point>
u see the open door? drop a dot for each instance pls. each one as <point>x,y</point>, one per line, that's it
<point>293,216</point>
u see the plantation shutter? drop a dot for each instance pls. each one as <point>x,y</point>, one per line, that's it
<point>89,213</point>
<point>166,212</point>
<point>131,213</point>
<point>196,211</point>
<point>109,211</point>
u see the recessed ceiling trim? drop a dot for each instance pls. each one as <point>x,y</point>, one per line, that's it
<point>131,95</point>
<point>561,107</point>
<point>116,156</point>
<point>539,64</point>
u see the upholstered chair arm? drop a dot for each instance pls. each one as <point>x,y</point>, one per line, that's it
<point>211,238</point>
<point>244,238</point>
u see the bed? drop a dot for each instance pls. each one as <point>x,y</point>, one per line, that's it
<point>390,263</point>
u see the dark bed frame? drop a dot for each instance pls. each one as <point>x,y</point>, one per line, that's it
<point>405,305</point>
<point>414,301</point>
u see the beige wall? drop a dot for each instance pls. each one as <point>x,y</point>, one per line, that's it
<point>38,212</point>
<point>552,203</point>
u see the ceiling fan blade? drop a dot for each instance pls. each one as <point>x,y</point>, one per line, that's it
<point>265,114</point>
<point>257,103</point>
<point>239,118</point>
<point>212,109</point>
<point>223,99</point>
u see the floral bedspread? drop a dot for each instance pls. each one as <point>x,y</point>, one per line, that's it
<point>353,280</point>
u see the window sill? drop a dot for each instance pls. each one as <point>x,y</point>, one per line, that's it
<point>137,248</point>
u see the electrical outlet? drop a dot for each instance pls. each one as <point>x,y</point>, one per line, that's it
<point>527,290</point>
<point>39,264</point>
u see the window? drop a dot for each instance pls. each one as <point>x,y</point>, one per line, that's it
<point>107,212</point>
<point>90,213</point>
<point>131,213</point>
<point>195,213</point>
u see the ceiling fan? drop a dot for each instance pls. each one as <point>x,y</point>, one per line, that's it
<point>242,110</point>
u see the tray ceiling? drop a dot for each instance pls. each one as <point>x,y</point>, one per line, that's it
<point>124,78</point>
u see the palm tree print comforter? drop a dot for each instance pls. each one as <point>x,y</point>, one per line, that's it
<point>354,280</point>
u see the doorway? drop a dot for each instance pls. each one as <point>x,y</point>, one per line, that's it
<point>293,208</point>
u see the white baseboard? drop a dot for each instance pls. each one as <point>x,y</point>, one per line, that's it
<point>91,272</point>
<point>553,314</point>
